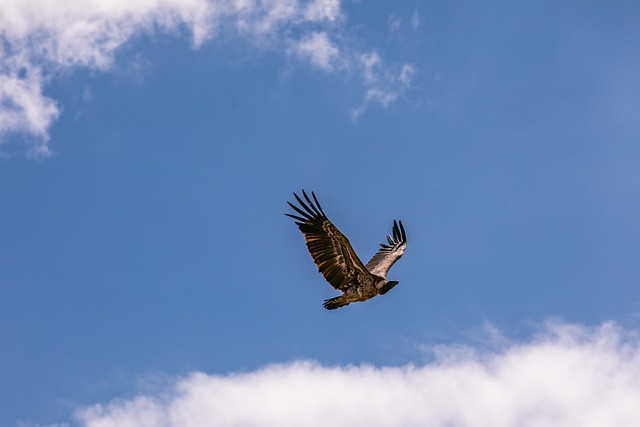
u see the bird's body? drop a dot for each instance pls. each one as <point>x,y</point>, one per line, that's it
<point>337,261</point>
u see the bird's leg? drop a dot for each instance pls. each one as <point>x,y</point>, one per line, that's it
<point>337,302</point>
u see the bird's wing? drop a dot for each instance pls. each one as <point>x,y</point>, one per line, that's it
<point>329,248</point>
<point>388,254</point>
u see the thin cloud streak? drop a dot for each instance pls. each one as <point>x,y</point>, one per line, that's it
<point>568,375</point>
<point>384,85</point>
<point>40,39</point>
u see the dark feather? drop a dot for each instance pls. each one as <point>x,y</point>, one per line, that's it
<point>330,249</point>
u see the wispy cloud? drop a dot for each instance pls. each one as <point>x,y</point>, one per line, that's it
<point>40,39</point>
<point>384,84</point>
<point>318,49</point>
<point>568,375</point>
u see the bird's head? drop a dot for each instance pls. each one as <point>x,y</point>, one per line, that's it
<point>388,285</point>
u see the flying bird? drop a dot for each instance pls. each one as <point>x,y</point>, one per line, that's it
<point>338,262</point>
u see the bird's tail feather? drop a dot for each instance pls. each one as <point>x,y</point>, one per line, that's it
<point>333,303</point>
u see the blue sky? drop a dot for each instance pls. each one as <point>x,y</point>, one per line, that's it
<point>148,150</point>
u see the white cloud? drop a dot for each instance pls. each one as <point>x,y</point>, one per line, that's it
<point>318,49</point>
<point>395,24</point>
<point>24,109</point>
<point>567,376</point>
<point>384,85</point>
<point>39,39</point>
<point>323,9</point>
<point>415,19</point>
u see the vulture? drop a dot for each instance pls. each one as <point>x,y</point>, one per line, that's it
<point>337,261</point>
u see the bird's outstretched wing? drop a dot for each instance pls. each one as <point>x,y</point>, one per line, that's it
<point>388,254</point>
<point>329,248</point>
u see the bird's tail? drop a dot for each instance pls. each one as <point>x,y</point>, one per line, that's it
<point>333,303</point>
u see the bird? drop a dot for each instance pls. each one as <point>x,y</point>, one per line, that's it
<point>337,261</point>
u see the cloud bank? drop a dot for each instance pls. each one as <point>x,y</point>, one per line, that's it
<point>567,376</point>
<point>41,39</point>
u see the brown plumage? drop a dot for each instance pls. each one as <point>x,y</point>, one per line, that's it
<point>337,261</point>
